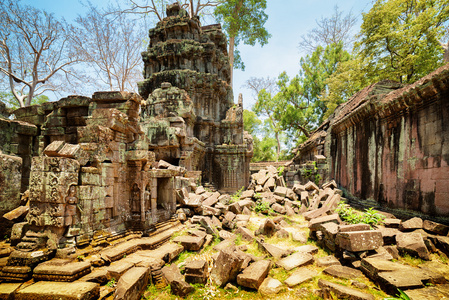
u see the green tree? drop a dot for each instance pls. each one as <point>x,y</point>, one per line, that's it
<point>263,148</point>
<point>315,70</point>
<point>270,108</point>
<point>400,39</point>
<point>244,21</point>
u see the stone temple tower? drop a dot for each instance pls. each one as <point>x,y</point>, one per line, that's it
<point>189,116</point>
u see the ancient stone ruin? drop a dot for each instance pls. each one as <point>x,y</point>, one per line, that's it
<point>94,168</point>
<point>388,143</point>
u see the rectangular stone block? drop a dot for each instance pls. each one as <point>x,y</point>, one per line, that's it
<point>356,241</point>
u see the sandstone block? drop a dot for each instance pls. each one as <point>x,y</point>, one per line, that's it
<point>190,243</point>
<point>435,228</point>
<point>413,244</point>
<point>270,287</point>
<point>300,276</point>
<point>343,272</point>
<point>295,260</point>
<point>411,224</point>
<point>356,241</point>
<point>254,275</point>
<point>342,292</point>
<point>226,268</point>
<point>132,284</point>
<point>44,290</point>
<point>196,272</point>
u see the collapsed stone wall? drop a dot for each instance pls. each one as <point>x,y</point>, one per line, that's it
<point>389,143</point>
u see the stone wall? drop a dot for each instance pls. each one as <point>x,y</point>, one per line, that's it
<point>390,143</point>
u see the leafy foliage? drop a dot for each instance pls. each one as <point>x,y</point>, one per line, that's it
<point>399,39</point>
<point>351,216</point>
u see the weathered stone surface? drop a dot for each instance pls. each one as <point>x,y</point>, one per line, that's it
<point>356,241</point>
<point>435,228</point>
<point>61,270</point>
<point>342,292</point>
<point>392,223</point>
<point>413,244</point>
<point>190,243</point>
<point>225,244</point>
<point>270,287</point>
<point>171,273</point>
<point>411,224</point>
<point>247,194</point>
<point>353,227</point>
<point>429,293</point>
<point>181,288</point>
<point>132,284</point>
<point>310,249</point>
<point>343,272</point>
<point>268,228</point>
<point>280,191</point>
<point>314,224</point>
<point>7,290</point>
<point>299,276</point>
<point>255,274</point>
<point>298,236</point>
<point>226,235</point>
<point>196,272</point>
<point>295,260</point>
<point>97,275</point>
<point>118,268</point>
<point>246,234</point>
<point>226,268</point>
<point>274,251</point>
<point>44,290</point>
<point>327,261</point>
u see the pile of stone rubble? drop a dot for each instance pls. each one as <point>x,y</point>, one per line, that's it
<point>251,217</point>
<point>358,250</point>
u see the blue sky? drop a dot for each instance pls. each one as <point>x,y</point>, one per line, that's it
<point>287,21</point>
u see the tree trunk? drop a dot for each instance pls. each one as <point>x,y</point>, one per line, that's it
<point>231,56</point>
<point>278,146</point>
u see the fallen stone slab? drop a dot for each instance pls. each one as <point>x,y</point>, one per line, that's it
<point>429,293</point>
<point>253,276</point>
<point>327,261</point>
<point>270,287</point>
<point>211,200</point>
<point>190,243</point>
<point>356,241</point>
<point>132,284</point>
<point>314,224</point>
<point>392,222</point>
<point>45,290</point>
<point>7,290</point>
<point>226,267</point>
<point>343,272</point>
<point>247,194</point>
<point>61,270</point>
<point>413,244</point>
<point>392,275</point>
<point>299,237</point>
<point>342,292</point>
<point>295,260</point>
<point>300,276</point>
<point>310,249</point>
<point>280,191</point>
<point>310,186</point>
<point>353,227</point>
<point>225,244</point>
<point>226,235</point>
<point>97,275</point>
<point>171,273</point>
<point>246,234</point>
<point>181,288</point>
<point>209,226</point>
<point>411,224</point>
<point>274,251</point>
<point>268,228</point>
<point>196,271</point>
<point>118,268</point>
<point>435,228</point>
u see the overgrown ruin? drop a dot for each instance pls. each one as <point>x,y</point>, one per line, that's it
<point>93,188</point>
<point>113,163</point>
